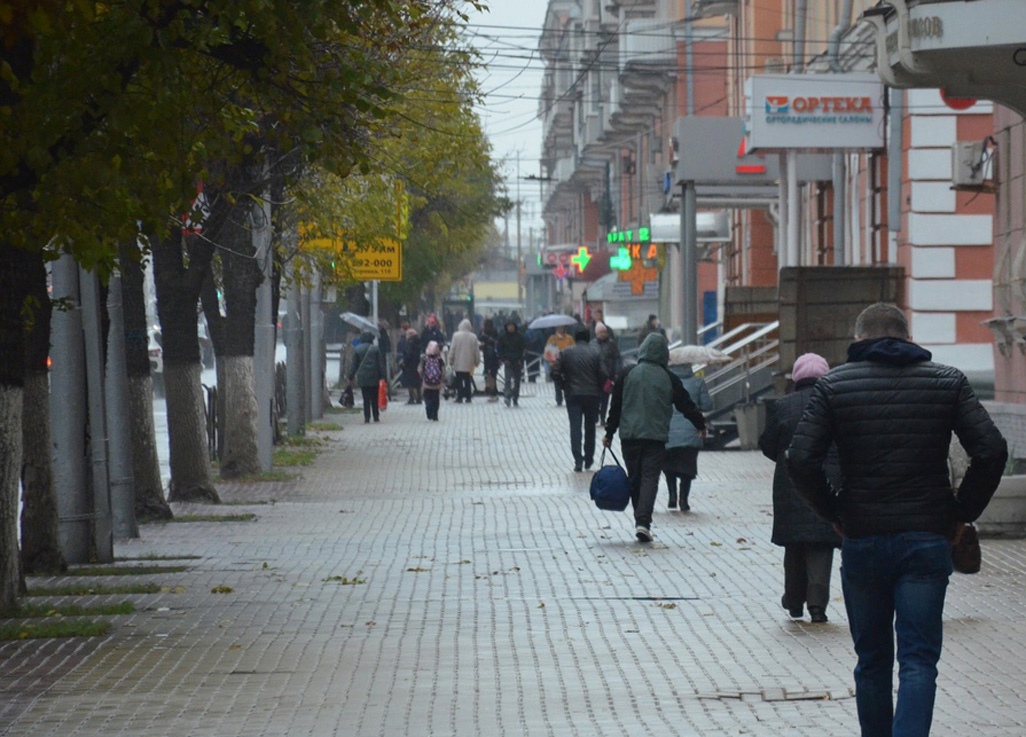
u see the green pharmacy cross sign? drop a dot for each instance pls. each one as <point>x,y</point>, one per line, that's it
<point>622,260</point>
<point>581,259</point>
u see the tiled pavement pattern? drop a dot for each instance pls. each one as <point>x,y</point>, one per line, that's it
<point>491,598</point>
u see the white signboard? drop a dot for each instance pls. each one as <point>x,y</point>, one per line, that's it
<point>815,112</point>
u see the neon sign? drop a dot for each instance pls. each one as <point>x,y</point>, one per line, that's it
<point>641,235</point>
<point>581,259</point>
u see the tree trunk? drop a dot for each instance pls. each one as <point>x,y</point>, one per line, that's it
<point>241,457</point>
<point>241,274</point>
<point>40,542</point>
<point>14,263</point>
<point>10,462</point>
<point>178,289</point>
<point>190,460</point>
<point>149,489</point>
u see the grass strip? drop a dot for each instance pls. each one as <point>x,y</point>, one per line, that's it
<point>324,426</point>
<point>32,611</point>
<point>156,556</point>
<point>294,457</point>
<point>124,570</point>
<point>246,517</point>
<point>51,628</point>
<point>92,590</point>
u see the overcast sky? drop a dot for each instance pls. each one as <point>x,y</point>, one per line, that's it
<point>510,75</point>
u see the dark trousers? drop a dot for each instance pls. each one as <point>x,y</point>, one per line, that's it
<point>431,402</point>
<point>603,406</point>
<point>559,392</point>
<point>511,390</point>
<point>807,571</point>
<point>644,462</point>
<point>464,386</point>
<point>582,409</point>
<point>370,402</point>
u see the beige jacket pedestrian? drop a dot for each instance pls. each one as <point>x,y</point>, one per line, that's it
<point>464,350</point>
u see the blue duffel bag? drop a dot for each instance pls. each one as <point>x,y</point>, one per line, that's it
<point>610,489</point>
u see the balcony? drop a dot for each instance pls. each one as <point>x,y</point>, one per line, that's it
<point>647,46</point>
<point>647,63</point>
<point>563,170</point>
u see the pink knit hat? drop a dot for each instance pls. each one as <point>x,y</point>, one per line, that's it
<point>809,366</point>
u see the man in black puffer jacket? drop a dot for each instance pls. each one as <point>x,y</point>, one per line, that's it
<point>891,411</point>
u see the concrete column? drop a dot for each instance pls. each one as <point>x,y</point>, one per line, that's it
<point>122,480</point>
<point>68,416</point>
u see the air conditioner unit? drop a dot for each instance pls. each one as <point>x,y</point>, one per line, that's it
<point>970,163</point>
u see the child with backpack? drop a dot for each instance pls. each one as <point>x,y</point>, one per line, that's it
<point>432,374</point>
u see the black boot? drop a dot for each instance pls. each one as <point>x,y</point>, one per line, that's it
<point>671,483</point>
<point>685,491</point>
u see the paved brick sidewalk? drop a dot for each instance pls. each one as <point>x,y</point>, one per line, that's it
<point>490,598</point>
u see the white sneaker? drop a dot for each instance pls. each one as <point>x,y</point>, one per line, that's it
<point>643,534</point>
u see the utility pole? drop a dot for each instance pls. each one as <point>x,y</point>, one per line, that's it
<point>520,284</point>
<point>263,336</point>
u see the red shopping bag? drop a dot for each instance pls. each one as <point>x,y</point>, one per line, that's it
<point>382,394</point>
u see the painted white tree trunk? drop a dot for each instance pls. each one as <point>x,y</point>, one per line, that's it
<point>10,482</point>
<point>187,435</point>
<point>240,456</point>
<point>149,489</point>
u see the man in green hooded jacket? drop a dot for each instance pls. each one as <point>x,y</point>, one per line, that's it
<point>644,397</point>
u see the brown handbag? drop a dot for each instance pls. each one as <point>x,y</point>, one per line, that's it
<point>966,554</point>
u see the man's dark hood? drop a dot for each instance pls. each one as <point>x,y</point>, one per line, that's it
<point>892,351</point>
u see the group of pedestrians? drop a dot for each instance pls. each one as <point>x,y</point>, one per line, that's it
<point>861,455</point>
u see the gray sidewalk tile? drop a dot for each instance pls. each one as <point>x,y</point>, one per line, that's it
<point>453,578</point>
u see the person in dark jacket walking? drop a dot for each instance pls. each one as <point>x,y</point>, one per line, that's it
<point>367,370</point>
<point>605,341</point>
<point>510,348</point>
<point>891,411</point>
<point>644,397</point>
<point>433,331</point>
<point>808,541</point>
<point>489,340</point>
<point>409,360</point>
<point>580,371</point>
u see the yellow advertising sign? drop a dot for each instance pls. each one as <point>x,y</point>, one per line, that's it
<point>369,259</point>
<point>380,259</point>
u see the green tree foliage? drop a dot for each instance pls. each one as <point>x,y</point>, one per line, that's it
<point>110,111</point>
<point>432,181</point>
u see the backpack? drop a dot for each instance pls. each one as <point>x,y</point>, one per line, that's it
<point>432,370</point>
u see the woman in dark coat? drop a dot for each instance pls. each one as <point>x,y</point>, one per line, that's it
<point>489,340</point>
<point>408,363</point>
<point>807,539</point>
<point>366,371</point>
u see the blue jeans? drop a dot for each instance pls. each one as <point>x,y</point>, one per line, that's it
<point>578,409</point>
<point>895,585</point>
